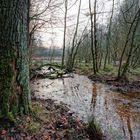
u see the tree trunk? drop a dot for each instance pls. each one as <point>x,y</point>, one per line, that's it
<point>92,43</point>
<point>64,37</point>
<point>70,56</point>
<point>108,36</point>
<point>124,71</point>
<point>14,61</point>
<point>125,45</point>
<point>95,37</point>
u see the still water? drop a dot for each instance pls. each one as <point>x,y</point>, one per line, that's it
<point>117,114</point>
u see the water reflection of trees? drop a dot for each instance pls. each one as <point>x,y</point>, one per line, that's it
<point>94,96</point>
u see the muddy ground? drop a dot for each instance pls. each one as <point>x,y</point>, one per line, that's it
<point>120,86</point>
<point>123,86</point>
<point>52,121</point>
<point>49,121</point>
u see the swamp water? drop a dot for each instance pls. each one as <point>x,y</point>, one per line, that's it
<point>117,114</point>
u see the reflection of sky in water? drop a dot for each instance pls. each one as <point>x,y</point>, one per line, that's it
<point>67,90</point>
<point>118,114</point>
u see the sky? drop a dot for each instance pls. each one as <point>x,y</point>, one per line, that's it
<point>54,36</point>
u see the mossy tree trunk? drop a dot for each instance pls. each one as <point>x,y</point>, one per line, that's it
<point>14,60</point>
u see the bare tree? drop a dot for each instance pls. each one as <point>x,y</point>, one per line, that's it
<point>64,36</point>
<point>95,36</point>
<point>125,68</point>
<point>109,35</point>
<point>126,43</point>
<point>92,43</point>
<point>70,57</point>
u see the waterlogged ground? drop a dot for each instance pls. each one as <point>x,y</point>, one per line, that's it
<point>118,114</point>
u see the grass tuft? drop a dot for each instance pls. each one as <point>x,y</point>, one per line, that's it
<point>94,130</point>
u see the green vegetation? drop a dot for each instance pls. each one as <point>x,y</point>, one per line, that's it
<point>94,130</point>
<point>110,70</point>
<point>105,46</point>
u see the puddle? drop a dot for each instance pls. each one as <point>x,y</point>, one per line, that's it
<point>117,114</point>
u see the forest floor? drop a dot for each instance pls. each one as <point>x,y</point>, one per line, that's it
<point>52,121</point>
<point>108,76</point>
<point>120,86</point>
<point>49,121</point>
<point>132,85</point>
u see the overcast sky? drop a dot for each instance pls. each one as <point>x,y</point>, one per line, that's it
<point>54,36</point>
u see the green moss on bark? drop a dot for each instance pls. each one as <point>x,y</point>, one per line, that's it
<point>14,62</point>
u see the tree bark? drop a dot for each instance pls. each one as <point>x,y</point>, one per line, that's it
<point>108,35</point>
<point>125,45</point>
<point>124,71</point>
<point>92,43</point>
<point>95,37</point>
<point>70,57</point>
<point>64,37</point>
<point>14,61</point>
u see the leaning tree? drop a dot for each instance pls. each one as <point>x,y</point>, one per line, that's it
<point>14,61</point>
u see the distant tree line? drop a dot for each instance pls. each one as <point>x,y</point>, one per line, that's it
<point>46,52</point>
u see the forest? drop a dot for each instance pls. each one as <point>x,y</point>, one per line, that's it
<point>69,70</point>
